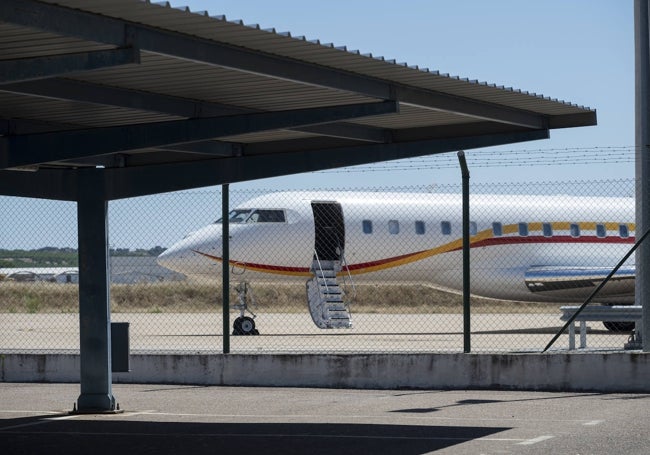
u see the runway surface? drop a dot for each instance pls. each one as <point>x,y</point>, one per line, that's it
<point>289,333</point>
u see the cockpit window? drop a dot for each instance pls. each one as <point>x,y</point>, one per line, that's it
<point>237,216</point>
<point>266,216</point>
<point>240,216</point>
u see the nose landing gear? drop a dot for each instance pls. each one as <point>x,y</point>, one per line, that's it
<point>244,325</point>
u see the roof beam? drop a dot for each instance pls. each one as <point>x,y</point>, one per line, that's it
<point>61,184</point>
<point>140,181</point>
<point>110,30</point>
<point>24,69</point>
<point>472,108</point>
<point>349,131</point>
<point>24,126</point>
<point>25,150</point>
<point>85,92</point>
<point>215,148</point>
<point>68,89</point>
<point>55,184</point>
<point>397,136</point>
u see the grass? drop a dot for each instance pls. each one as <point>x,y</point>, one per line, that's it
<point>187,297</point>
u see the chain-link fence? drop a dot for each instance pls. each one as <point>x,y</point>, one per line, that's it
<point>363,270</point>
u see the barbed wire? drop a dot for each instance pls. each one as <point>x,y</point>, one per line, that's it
<point>505,158</point>
<point>627,184</point>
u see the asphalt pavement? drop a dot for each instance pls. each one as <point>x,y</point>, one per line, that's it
<point>169,419</point>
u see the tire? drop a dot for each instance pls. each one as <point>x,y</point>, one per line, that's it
<point>244,326</point>
<point>236,327</point>
<point>247,325</point>
<point>619,327</point>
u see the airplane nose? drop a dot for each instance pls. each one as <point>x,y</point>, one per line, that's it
<point>172,258</point>
<point>195,255</point>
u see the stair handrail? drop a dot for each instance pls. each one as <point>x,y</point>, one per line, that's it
<point>347,269</point>
<point>320,267</point>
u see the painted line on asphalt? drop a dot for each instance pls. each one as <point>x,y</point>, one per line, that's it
<point>18,411</point>
<point>530,442</point>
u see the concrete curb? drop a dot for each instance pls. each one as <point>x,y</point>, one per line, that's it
<point>580,372</point>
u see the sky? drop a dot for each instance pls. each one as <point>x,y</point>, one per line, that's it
<point>580,51</point>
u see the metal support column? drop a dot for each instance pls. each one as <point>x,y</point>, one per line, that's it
<point>225,283</point>
<point>642,114</point>
<point>466,259</point>
<point>94,299</point>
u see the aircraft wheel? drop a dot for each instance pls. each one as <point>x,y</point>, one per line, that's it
<point>244,326</point>
<point>618,327</point>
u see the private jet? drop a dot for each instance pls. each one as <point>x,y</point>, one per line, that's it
<point>523,248</point>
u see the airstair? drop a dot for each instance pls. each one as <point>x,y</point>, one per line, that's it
<point>326,297</point>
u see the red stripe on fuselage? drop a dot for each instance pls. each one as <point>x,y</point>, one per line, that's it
<point>494,241</point>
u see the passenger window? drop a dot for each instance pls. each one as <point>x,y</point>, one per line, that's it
<point>366,225</point>
<point>623,231</point>
<point>445,227</point>
<point>601,231</point>
<point>497,229</point>
<point>547,229</point>
<point>393,227</point>
<point>575,230</point>
<point>523,229</point>
<point>420,228</point>
<point>473,229</point>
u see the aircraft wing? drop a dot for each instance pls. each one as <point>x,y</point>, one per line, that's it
<point>580,282</point>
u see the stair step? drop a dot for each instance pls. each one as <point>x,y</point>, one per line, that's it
<point>337,306</point>
<point>326,274</point>
<point>340,324</point>
<point>331,291</point>
<point>326,297</point>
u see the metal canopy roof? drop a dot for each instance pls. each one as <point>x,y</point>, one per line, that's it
<point>147,98</point>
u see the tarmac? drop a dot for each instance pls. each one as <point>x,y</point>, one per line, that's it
<point>296,333</point>
<point>170,419</point>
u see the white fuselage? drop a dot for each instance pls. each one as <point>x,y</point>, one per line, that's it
<point>520,245</point>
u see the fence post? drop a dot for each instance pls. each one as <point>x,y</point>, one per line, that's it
<point>466,260</point>
<point>225,269</point>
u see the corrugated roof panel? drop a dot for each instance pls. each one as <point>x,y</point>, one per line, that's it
<point>413,117</point>
<point>160,74</point>
<point>186,79</point>
<point>220,29</point>
<point>21,42</point>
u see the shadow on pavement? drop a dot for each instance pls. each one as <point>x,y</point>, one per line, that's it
<point>96,434</point>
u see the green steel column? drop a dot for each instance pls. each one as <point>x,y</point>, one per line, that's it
<point>94,299</point>
<point>225,279</point>
<point>466,260</point>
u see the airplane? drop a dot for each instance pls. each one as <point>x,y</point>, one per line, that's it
<point>523,248</point>
<point>49,274</point>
